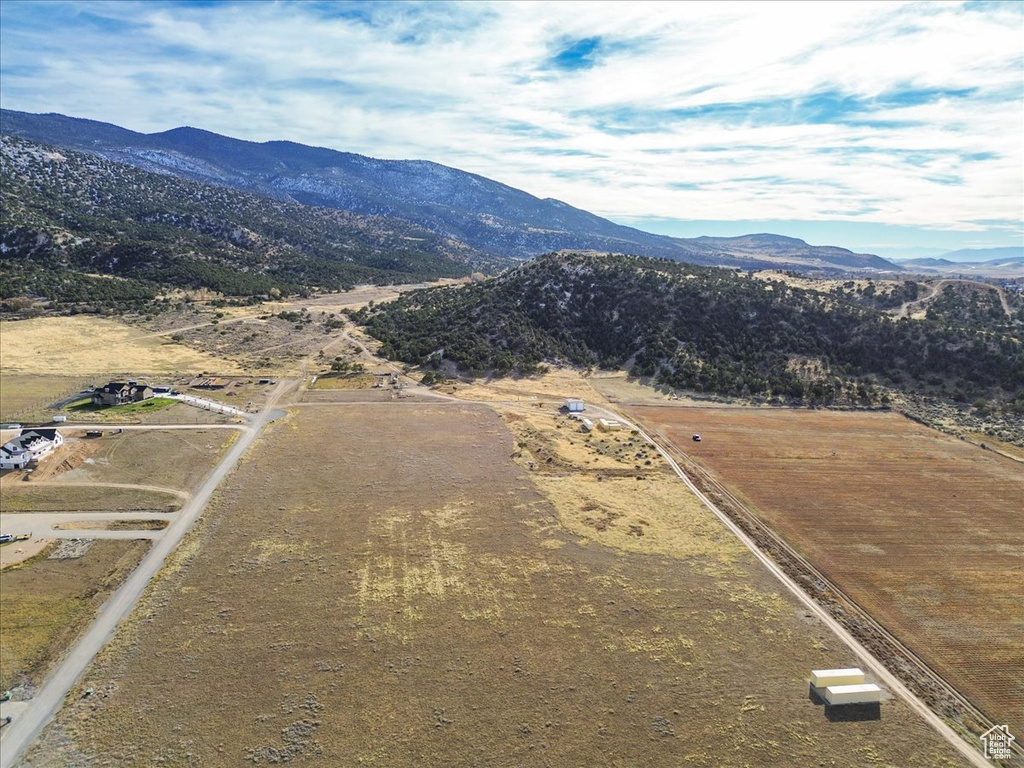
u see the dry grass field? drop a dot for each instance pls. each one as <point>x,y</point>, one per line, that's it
<point>552,387</point>
<point>178,458</point>
<point>23,395</point>
<point>404,596</point>
<point>45,603</point>
<point>51,497</point>
<point>619,387</point>
<point>85,346</point>
<point>924,531</point>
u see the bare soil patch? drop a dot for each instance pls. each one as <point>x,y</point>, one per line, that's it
<point>923,531</point>
<point>406,597</point>
<point>113,525</point>
<point>178,458</point>
<point>20,551</point>
<point>47,602</point>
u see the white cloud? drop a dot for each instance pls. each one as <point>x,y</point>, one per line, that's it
<point>896,113</point>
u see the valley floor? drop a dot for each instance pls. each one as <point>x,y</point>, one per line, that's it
<point>409,598</point>
<point>458,576</point>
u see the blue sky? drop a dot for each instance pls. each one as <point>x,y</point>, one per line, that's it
<point>890,127</point>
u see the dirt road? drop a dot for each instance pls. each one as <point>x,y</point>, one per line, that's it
<point>43,524</point>
<point>866,657</point>
<point>908,307</point>
<point>16,737</point>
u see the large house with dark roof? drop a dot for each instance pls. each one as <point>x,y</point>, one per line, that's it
<point>30,446</point>
<point>121,392</point>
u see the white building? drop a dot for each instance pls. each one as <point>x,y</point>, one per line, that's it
<point>573,404</point>
<point>30,445</point>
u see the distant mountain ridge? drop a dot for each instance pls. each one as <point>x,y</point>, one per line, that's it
<point>1006,265</point>
<point>68,216</point>
<point>1009,253</point>
<point>486,215</point>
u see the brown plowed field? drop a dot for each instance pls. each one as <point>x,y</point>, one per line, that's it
<point>924,531</point>
<point>385,586</point>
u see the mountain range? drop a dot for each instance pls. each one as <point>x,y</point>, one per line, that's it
<point>70,220</point>
<point>980,262</point>
<point>485,215</point>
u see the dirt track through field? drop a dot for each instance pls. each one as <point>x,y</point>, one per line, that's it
<point>896,515</point>
<point>410,599</point>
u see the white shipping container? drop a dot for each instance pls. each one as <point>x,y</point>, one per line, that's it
<point>822,678</point>
<point>866,693</point>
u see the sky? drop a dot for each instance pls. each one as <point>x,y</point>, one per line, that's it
<point>893,128</point>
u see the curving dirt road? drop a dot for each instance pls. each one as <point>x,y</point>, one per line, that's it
<point>905,308</point>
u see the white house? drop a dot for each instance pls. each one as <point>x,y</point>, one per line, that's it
<point>573,404</point>
<point>30,445</point>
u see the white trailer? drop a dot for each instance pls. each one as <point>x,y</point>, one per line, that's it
<point>822,678</point>
<point>865,693</point>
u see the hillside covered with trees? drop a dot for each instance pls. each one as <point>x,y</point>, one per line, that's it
<point>76,227</point>
<point>698,328</point>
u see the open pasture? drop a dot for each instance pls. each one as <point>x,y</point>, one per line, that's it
<point>47,601</point>
<point>28,395</point>
<point>404,596</point>
<point>85,346</point>
<point>52,497</point>
<point>923,531</point>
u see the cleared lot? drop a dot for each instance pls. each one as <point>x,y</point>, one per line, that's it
<point>178,458</point>
<point>403,595</point>
<point>46,602</point>
<point>923,531</point>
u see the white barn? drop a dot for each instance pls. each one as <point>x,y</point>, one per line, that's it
<point>30,445</point>
<point>573,404</point>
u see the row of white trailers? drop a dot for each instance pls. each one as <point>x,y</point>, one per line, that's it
<point>845,686</point>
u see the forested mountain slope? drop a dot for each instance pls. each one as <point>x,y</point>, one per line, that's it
<point>484,213</point>
<point>705,329</point>
<point>65,215</point>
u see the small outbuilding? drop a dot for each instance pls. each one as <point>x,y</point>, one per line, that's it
<point>822,678</point>
<point>865,693</point>
<point>609,425</point>
<point>573,405</point>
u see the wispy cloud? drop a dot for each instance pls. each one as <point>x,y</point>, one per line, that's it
<point>902,114</point>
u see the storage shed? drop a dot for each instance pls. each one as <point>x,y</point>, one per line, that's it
<point>865,693</point>
<point>822,678</point>
<point>573,404</point>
